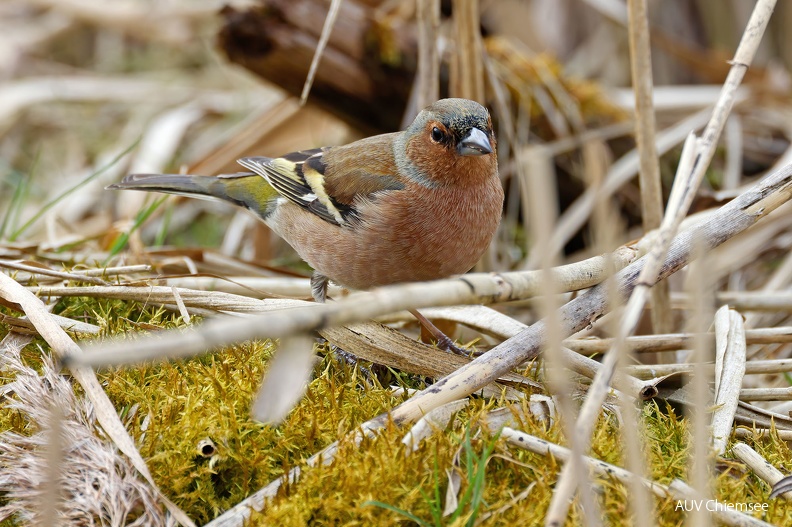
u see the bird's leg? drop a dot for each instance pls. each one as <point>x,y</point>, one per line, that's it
<point>443,341</point>
<point>319,283</point>
<point>319,287</point>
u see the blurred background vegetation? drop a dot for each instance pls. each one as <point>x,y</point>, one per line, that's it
<point>93,91</point>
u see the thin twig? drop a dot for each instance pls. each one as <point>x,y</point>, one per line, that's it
<point>332,14</point>
<point>32,269</point>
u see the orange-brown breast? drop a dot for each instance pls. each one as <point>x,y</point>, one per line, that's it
<point>414,234</point>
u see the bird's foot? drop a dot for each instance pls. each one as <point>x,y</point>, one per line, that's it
<point>443,341</point>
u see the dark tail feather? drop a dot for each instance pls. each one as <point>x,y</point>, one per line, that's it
<point>169,183</point>
<point>247,190</point>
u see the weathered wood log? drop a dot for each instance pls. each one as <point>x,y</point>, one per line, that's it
<point>366,71</point>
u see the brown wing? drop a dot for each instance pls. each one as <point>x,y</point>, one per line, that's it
<point>327,181</point>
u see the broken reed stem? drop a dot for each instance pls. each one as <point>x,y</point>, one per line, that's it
<point>641,69</point>
<point>730,358</point>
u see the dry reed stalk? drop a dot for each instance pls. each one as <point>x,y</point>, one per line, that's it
<point>673,341</point>
<point>541,199</point>
<point>24,325</point>
<point>649,172</point>
<point>684,190</point>
<point>113,271</point>
<point>700,283</point>
<point>251,286</point>
<point>759,465</point>
<point>753,367</point>
<point>603,469</point>
<point>605,235</point>
<point>766,394</point>
<point>730,353</point>
<point>760,301</point>
<point>36,270</point>
<point>427,89</point>
<point>750,433</point>
<point>467,66</point>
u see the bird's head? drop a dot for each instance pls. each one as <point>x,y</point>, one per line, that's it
<point>450,142</point>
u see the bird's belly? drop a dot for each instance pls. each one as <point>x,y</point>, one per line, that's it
<point>394,242</point>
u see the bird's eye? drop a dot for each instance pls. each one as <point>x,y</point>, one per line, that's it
<point>437,135</point>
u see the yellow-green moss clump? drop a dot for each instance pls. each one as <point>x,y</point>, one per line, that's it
<point>191,422</point>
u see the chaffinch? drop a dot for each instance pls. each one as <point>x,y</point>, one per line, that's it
<point>416,205</point>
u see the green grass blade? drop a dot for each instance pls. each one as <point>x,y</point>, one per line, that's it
<point>141,217</point>
<point>397,510</point>
<point>159,240</point>
<point>71,190</point>
<point>20,192</point>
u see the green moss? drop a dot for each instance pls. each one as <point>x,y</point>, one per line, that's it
<point>173,410</point>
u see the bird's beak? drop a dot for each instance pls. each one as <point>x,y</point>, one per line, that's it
<point>476,143</point>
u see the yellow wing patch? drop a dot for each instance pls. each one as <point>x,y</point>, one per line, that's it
<point>315,180</point>
<point>298,177</point>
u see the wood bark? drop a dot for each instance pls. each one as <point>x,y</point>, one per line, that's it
<point>366,71</point>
